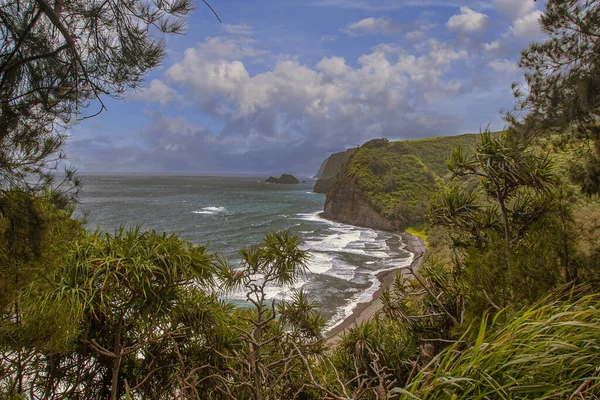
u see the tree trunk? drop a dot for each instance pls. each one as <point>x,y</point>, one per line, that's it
<point>256,353</point>
<point>117,360</point>
<point>504,218</point>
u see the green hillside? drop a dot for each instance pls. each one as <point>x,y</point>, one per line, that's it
<point>398,178</point>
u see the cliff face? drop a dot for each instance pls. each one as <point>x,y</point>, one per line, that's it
<point>345,204</point>
<point>329,169</point>
<point>321,169</point>
<point>387,185</point>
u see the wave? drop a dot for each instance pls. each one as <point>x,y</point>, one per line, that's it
<point>210,210</point>
<point>367,295</point>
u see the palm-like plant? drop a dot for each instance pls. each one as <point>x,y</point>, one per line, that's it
<point>504,167</point>
<point>124,289</point>
<point>276,335</point>
<point>504,195</point>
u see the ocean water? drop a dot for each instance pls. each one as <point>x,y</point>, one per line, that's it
<point>227,213</point>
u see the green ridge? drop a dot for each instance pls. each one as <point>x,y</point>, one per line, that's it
<point>398,178</point>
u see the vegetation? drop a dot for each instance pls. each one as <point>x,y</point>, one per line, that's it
<point>563,85</point>
<point>419,232</point>
<point>504,305</point>
<point>397,179</point>
<point>549,351</point>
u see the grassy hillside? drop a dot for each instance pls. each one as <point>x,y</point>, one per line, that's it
<point>397,178</point>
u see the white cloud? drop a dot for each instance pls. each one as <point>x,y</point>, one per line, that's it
<point>218,48</point>
<point>241,29</point>
<point>527,28</point>
<point>388,49</point>
<point>468,21</point>
<point>334,66</point>
<point>413,36</point>
<point>504,66</point>
<point>515,9</point>
<point>333,97</point>
<point>492,46</point>
<point>372,25</point>
<point>156,92</point>
<point>454,86</point>
<point>388,5</point>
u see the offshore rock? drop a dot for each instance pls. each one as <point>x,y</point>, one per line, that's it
<point>286,178</point>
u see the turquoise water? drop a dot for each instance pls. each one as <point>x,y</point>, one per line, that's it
<point>229,212</point>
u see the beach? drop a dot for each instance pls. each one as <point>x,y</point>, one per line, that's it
<point>365,311</point>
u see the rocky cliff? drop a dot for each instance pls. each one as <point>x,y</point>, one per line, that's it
<point>387,185</point>
<point>321,169</point>
<point>345,204</point>
<point>329,169</point>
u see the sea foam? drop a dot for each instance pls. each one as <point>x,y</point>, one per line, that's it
<point>210,210</point>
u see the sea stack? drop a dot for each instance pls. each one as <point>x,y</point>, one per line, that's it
<point>286,178</point>
<point>271,179</point>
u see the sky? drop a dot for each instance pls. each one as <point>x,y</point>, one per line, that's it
<point>279,85</point>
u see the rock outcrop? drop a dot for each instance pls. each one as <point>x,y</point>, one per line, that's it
<point>329,169</point>
<point>323,185</point>
<point>345,205</point>
<point>284,178</point>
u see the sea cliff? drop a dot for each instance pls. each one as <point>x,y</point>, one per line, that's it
<point>387,185</point>
<point>329,170</point>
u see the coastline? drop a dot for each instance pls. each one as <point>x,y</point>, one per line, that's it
<point>366,311</point>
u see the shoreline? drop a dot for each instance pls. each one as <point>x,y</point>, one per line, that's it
<point>366,311</point>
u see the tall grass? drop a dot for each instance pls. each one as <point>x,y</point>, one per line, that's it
<point>550,351</point>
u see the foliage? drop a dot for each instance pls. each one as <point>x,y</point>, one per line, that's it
<point>121,298</point>
<point>547,351</point>
<point>502,223</point>
<point>276,336</point>
<point>420,232</point>
<point>563,85</point>
<point>398,178</point>
<point>57,57</point>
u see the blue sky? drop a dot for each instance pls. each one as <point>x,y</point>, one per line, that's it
<point>281,84</point>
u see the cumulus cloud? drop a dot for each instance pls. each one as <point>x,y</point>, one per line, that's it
<point>468,21</point>
<point>372,25</point>
<point>290,115</point>
<point>413,36</point>
<point>218,48</point>
<point>241,29</point>
<point>388,5</point>
<point>515,9</point>
<point>332,97</point>
<point>520,33</point>
<point>333,66</point>
<point>527,28</point>
<point>504,66</point>
<point>156,92</point>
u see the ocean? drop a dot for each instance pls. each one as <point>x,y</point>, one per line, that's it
<point>226,213</point>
